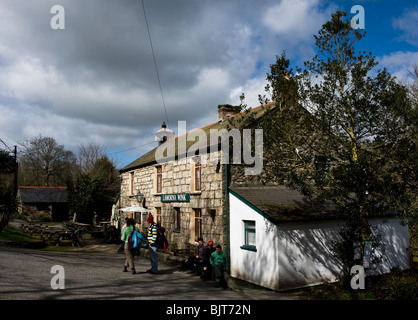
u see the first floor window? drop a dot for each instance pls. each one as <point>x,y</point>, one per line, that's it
<point>131,183</point>
<point>176,214</point>
<point>197,223</point>
<point>249,236</point>
<point>196,175</point>
<point>159,179</point>
<point>198,172</point>
<point>158,216</point>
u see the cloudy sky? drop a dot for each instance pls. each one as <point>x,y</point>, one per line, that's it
<point>96,80</point>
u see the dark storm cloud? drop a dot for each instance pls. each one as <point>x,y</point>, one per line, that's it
<point>97,77</point>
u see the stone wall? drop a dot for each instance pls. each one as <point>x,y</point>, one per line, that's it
<point>33,213</point>
<point>177,179</point>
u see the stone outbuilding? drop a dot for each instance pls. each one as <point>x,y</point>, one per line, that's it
<point>39,203</point>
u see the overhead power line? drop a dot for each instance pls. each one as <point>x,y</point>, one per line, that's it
<point>5,144</point>
<point>155,62</point>
<point>143,145</point>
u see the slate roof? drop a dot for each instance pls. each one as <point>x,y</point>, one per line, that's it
<point>43,194</point>
<point>149,157</point>
<point>281,204</point>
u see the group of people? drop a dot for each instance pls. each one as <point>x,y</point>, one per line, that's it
<point>152,234</point>
<point>207,257</point>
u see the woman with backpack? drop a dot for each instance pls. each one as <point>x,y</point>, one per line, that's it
<point>129,262</point>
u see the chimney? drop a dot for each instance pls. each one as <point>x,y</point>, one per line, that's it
<point>226,110</point>
<point>164,134</point>
<point>164,137</point>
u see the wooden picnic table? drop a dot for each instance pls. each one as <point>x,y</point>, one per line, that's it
<point>82,226</point>
<point>56,233</point>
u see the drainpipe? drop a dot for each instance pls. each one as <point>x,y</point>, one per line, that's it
<point>119,197</point>
<point>227,213</point>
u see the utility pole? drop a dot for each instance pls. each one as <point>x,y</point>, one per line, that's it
<point>16,169</point>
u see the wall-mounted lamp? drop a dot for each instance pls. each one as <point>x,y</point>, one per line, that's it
<point>139,197</point>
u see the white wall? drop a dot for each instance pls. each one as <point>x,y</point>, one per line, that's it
<point>261,267</point>
<point>305,253</point>
<point>395,238</point>
<point>288,256</point>
<point>293,255</point>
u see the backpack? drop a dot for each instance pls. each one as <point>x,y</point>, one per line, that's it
<point>162,242</point>
<point>135,241</point>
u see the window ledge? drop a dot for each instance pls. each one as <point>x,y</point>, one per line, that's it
<point>249,248</point>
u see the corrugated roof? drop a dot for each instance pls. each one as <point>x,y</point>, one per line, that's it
<point>43,194</point>
<point>149,157</point>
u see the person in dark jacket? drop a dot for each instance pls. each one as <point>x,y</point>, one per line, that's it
<point>206,266</point>
<point>199,257</point>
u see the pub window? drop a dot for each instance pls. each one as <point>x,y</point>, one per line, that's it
<point>196,181</point>
<point>131,183</point>
<point>198,172</point>
<point>159,179</point>
<point>197,224</point>
<point>249,236</point>
<point>176,214</point>
<point>158,216</point>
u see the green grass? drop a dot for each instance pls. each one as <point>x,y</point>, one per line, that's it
<point>15,237</point>
<point>13,234</point>
<point>397,285</point>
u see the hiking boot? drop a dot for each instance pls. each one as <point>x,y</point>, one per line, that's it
<point>125,269</point>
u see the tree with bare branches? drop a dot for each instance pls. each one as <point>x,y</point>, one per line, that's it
<point>44,162</point>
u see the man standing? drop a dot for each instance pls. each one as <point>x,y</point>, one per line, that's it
<point>199,257</point>
<point>219,263</point>
<point>152,243</point>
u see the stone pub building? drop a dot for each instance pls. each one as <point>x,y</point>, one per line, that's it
<point>186,196</point>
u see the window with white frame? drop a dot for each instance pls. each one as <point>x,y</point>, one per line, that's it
<point>157,212</point>
<point>131,183</point>
<point>197,223</point>
<point>196,174</point>
<point>249,231</point>
<point>158,179</point>
<point>177,221</point>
